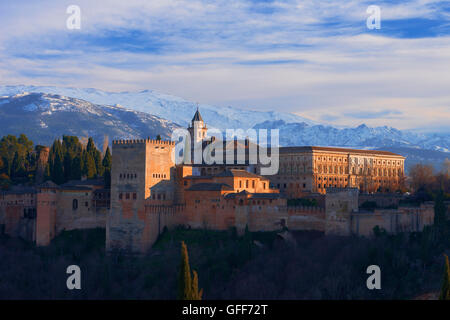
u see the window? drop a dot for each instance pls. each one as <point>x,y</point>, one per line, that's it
<point>120,196</point>
<point>75,204</point>
<point>86,204</point>
<point>127,196</point>
<point>134,196</point>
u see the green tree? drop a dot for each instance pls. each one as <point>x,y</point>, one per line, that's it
<point>57,173</point>
<point>188,285</point>
<point>445,291</point>
<point>76,168</point>
<point>90,148</point>
<point>89,168</point>
<point>18,166</point>
<point>195,293</point>
<point>107,163</point>
<point>158,137</point>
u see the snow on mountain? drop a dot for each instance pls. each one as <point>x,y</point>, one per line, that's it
<point>165,106</point>
<point>147,108</point>
<point>44,117</point>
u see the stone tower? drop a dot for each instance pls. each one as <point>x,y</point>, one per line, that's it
<point>197,131</point>
<point>340,203</point>
<point>137,166</point>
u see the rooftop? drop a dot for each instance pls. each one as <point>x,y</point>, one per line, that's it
<point>209,187</point>
<point>254,195</point>
<point>197,116</point>
<point>238,173</point>
<point>332,149</point>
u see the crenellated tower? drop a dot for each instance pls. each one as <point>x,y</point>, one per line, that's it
<point>137,167</point>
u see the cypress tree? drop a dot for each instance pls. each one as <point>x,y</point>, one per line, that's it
<point>58,170</point>
<point>68,166</point>
<point>188,285</point>
<point>107,163</point>
<point>76,168</point>
<point>185,282</point>
<point>98,163</point>
<point>195,293</point>
<point>90,148</point>
<point>445,291</point>
<point>107,160</point>
<point>90,168</point>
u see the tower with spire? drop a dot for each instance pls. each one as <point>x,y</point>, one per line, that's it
<point>198,129</point>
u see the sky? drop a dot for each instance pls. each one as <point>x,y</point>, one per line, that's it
<point>315,58</point>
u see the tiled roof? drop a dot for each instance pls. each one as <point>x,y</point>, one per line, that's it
<point>76,188</point>
<point>238,173</point>
<point>20,190</point>
<point>209,187</point>
<point>330,149</point>
<point>197,116</point>
<point>254,195</point>
<point>48,185</point>
<point>87,182</point>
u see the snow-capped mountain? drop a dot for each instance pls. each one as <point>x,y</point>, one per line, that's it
<point>44,117</point>
<point>50,112</point>
<point>295,134</point>
<point>166,106</point>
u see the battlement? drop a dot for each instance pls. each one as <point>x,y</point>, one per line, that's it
<point>305,210</point>
<point>142,141</point>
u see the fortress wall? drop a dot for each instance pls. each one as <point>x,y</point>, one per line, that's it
<point>260,218</point>
<point>85,216</point>
<point>381,199</point>
<point>13,219</point>
<point>46,217</point>
<point>306,218</point>
<point>405,219</point>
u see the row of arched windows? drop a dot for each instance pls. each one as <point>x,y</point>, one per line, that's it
<point>128,176</point>
<point>127,196</point>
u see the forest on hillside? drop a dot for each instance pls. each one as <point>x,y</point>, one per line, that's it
<point>255,266</point>
<point>69,158</point>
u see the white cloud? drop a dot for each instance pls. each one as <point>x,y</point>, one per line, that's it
<point>208,46</point>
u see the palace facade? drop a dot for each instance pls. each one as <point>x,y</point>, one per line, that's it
<point>150,192</point>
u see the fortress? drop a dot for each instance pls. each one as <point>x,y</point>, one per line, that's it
<point>150,191</point>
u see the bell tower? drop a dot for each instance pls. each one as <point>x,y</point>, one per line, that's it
<point>198,129</point>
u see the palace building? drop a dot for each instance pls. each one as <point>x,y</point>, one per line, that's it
<point>150,192</point>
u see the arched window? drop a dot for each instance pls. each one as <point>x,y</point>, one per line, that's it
<point>75,204</point>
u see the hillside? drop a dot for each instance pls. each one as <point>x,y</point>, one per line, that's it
<point>44,117</point>
<point>256,266</point>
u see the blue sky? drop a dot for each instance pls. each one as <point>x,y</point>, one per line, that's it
<point>313,58</point>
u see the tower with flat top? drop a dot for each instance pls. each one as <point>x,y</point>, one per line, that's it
<point>137,167</point>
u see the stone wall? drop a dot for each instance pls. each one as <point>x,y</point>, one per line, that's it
<point>404,219</point>
<point>306,218</point>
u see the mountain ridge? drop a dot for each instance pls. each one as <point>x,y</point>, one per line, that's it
<point>166,112</point>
